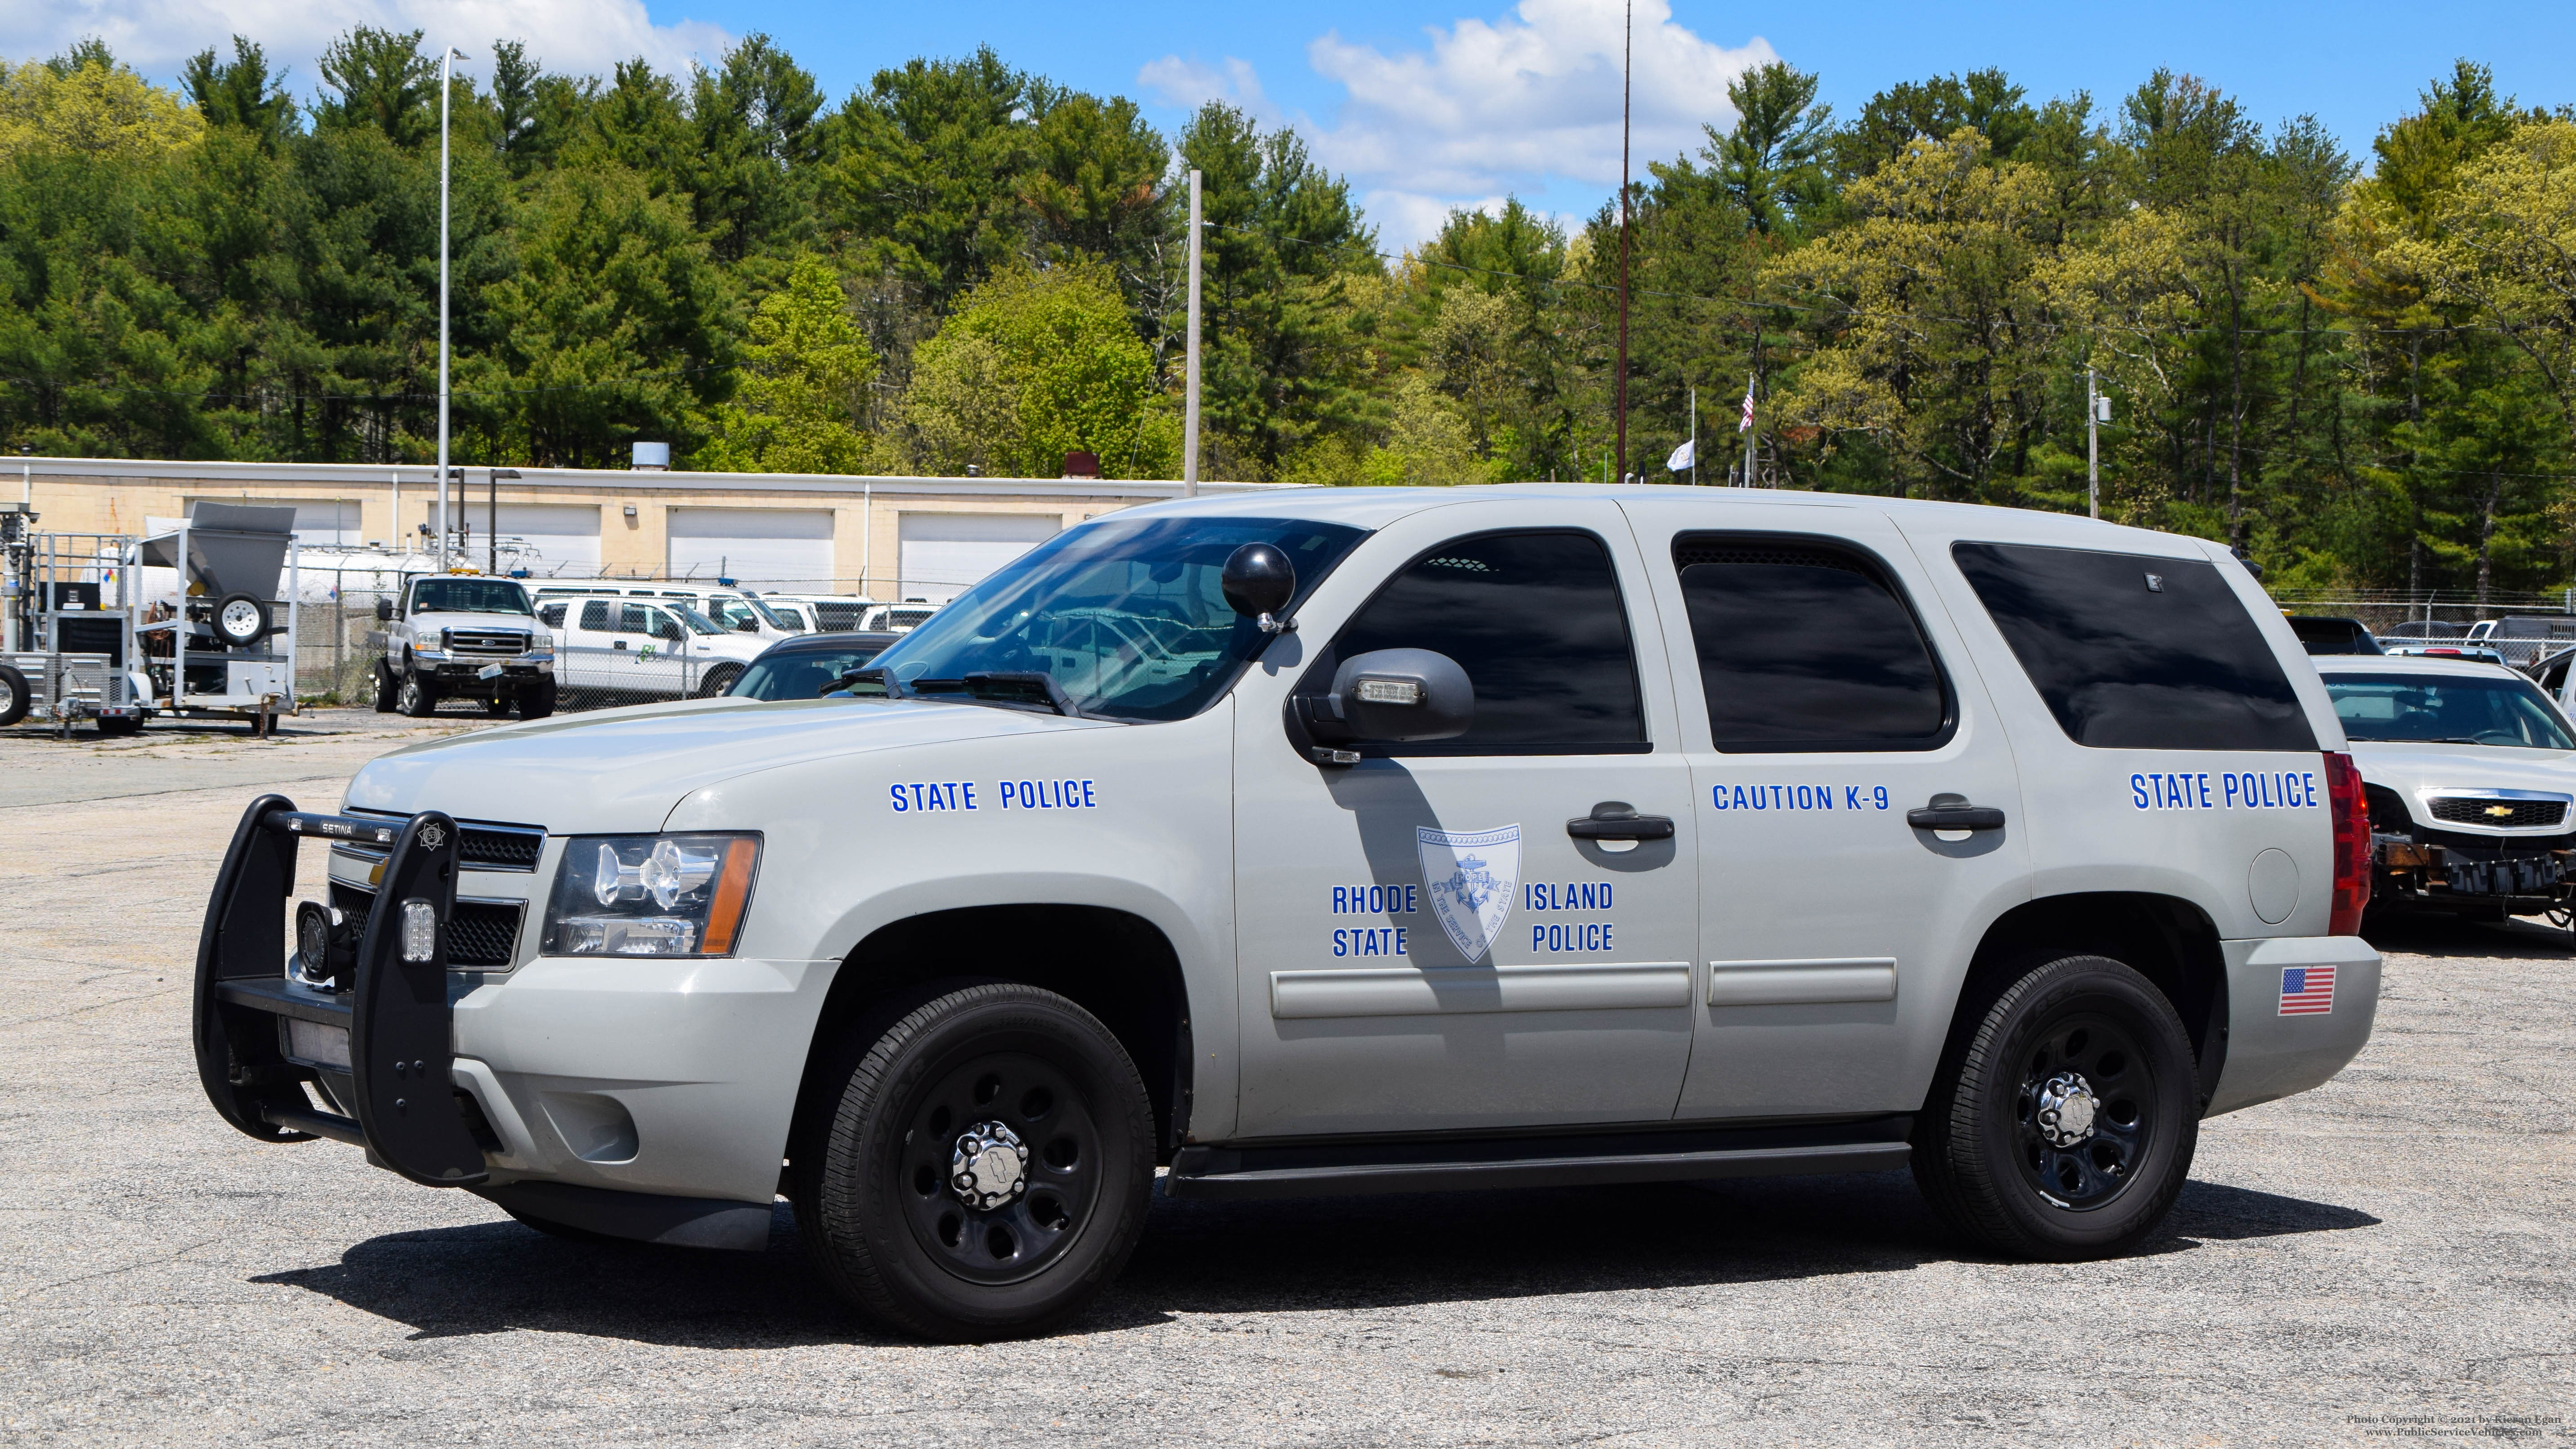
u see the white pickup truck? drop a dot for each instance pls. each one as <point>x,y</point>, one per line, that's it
<point>1350,840</point>
<point>464,636</point>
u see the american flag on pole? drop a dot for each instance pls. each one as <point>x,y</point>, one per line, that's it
<point>1748,406</point>
<point>2307,990</point>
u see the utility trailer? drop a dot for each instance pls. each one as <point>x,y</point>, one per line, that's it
<point>69,638</point>
<point>225,649</point>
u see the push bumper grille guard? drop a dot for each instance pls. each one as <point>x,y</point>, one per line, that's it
<point>400,1024</point>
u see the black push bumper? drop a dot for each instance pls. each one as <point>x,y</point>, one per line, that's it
<point>395,1083</point>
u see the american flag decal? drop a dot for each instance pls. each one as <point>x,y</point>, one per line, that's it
<point>2307,990</point>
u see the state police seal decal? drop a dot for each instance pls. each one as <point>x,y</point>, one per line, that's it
<point>1470,876</point>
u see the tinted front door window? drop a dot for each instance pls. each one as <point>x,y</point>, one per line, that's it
<point>1536,621</point>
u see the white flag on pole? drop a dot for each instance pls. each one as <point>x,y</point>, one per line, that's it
<point>1748,408</point>
<point>1682,458</point>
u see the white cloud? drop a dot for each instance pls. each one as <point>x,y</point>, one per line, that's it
<point>1491,105</point>
<point>157,36</point>
<point>1190,84</point>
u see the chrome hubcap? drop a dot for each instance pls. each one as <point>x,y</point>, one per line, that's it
<point>989,1167</point>
<point>2065,1110</point>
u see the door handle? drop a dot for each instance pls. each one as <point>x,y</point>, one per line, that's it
<point>1619,822</point>
<point>617,644</point>
<point>1953,812</point>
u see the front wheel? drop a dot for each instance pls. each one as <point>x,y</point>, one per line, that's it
<point>388,693</point>
<point>2062,1128</point>
<point>980,1169</point>
<point>539,700</point>
<point>416,697</point>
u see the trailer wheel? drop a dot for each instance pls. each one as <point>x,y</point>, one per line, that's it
<point>14,696</point>
<point>242,620</point>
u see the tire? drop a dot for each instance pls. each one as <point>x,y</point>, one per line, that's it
<point>2004,1169</point>
<point>242,620</point>
<point>388,693</point>
<point>719,680</point>
<point>539,701</point>
<point>415,696</point>
<point>876,1201</point>
<point>15,696</point>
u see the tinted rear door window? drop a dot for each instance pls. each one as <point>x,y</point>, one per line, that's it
<point>2136,652</point>
<point>1807,645</point>
<point>1537,622</point>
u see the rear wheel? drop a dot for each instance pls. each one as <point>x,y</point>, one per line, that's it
<point>416,697</point>
<point>2063,1126</point>
<point>983,1166</point>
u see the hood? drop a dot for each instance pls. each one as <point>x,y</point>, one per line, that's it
<point>2413,770</point>
<point>624,769</point>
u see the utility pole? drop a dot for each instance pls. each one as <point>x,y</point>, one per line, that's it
<point>2096,407</point>
<point>1190,409</point>
<point>1627,44</point>
<point>445,62</point>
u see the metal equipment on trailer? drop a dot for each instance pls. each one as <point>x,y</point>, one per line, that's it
<point>217,652</point>
<point>68,642</point>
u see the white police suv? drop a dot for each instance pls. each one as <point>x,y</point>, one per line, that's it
<point>1336,841</point>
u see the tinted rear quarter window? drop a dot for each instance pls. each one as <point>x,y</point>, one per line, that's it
<point>2136,652</point>
<point>1807,645</point>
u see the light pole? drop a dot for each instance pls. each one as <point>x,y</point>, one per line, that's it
<point>1190,408</point>
<point>2097,411</point>
<point>445,64</point>
<point>1627,39</point>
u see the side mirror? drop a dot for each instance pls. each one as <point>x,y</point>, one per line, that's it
<point>1258,581</point>
<point>384,611</point>
<point>1397,696</point>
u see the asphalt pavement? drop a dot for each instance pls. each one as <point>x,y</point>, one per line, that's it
<point>2385,1260</point>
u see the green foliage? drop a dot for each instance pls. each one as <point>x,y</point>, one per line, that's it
<point>803,366</point>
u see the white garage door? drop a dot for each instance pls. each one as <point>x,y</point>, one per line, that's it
<point>942,554</point>
<point>562,538</point>
<point>787,549</point>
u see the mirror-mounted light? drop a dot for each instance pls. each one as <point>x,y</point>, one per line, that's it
<point>1391,691</point>
<point>1258,581</point>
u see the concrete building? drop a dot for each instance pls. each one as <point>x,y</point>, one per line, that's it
<point>890,538</point>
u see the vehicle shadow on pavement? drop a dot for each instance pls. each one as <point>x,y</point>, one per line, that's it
<point>1202,1257</point>
<point>2522,938</point>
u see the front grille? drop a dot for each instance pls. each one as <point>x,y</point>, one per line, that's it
<point>480,641</point>
<point>486,844</point>
<point>482,934</point>
<point>2498,814</point>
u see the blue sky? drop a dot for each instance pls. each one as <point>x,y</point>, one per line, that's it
<point>1431,105</point>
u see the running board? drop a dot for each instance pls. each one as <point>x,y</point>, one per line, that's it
<point>1447,1164</point>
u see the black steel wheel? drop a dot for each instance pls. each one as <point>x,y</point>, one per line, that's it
<point>2063,1120</point>
<point>982,1168</point>
<point>15,696</point>
<point>417,696</point>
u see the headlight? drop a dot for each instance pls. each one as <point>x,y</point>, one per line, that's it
<point>650,895</point>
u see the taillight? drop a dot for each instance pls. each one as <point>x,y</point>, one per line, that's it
<point>2351,845</point>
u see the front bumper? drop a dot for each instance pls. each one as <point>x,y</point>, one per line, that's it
<point>2519,876</point>
<point>2272,1051</point>
<point>639,1097</point>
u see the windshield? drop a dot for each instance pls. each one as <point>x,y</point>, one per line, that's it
<point>802,673</point>
<point>469,596</point>
<point>698,623</point>
<point>2446,709</point>
<point>1124,619</point>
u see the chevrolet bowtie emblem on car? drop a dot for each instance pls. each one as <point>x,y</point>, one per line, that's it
<point>2500,812</point>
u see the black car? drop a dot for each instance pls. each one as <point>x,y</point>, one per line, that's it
<point>805,666</point>
<point>2324,634</point>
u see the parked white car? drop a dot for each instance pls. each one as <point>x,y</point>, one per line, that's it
<point>645,649</point>
<point>735,609</point>
<point>2470,772</point>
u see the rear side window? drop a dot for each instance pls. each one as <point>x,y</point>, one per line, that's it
<point>1807,645</point>
<point>2136,652</point>
<point>1536,621</point>
<point>594,615</point>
